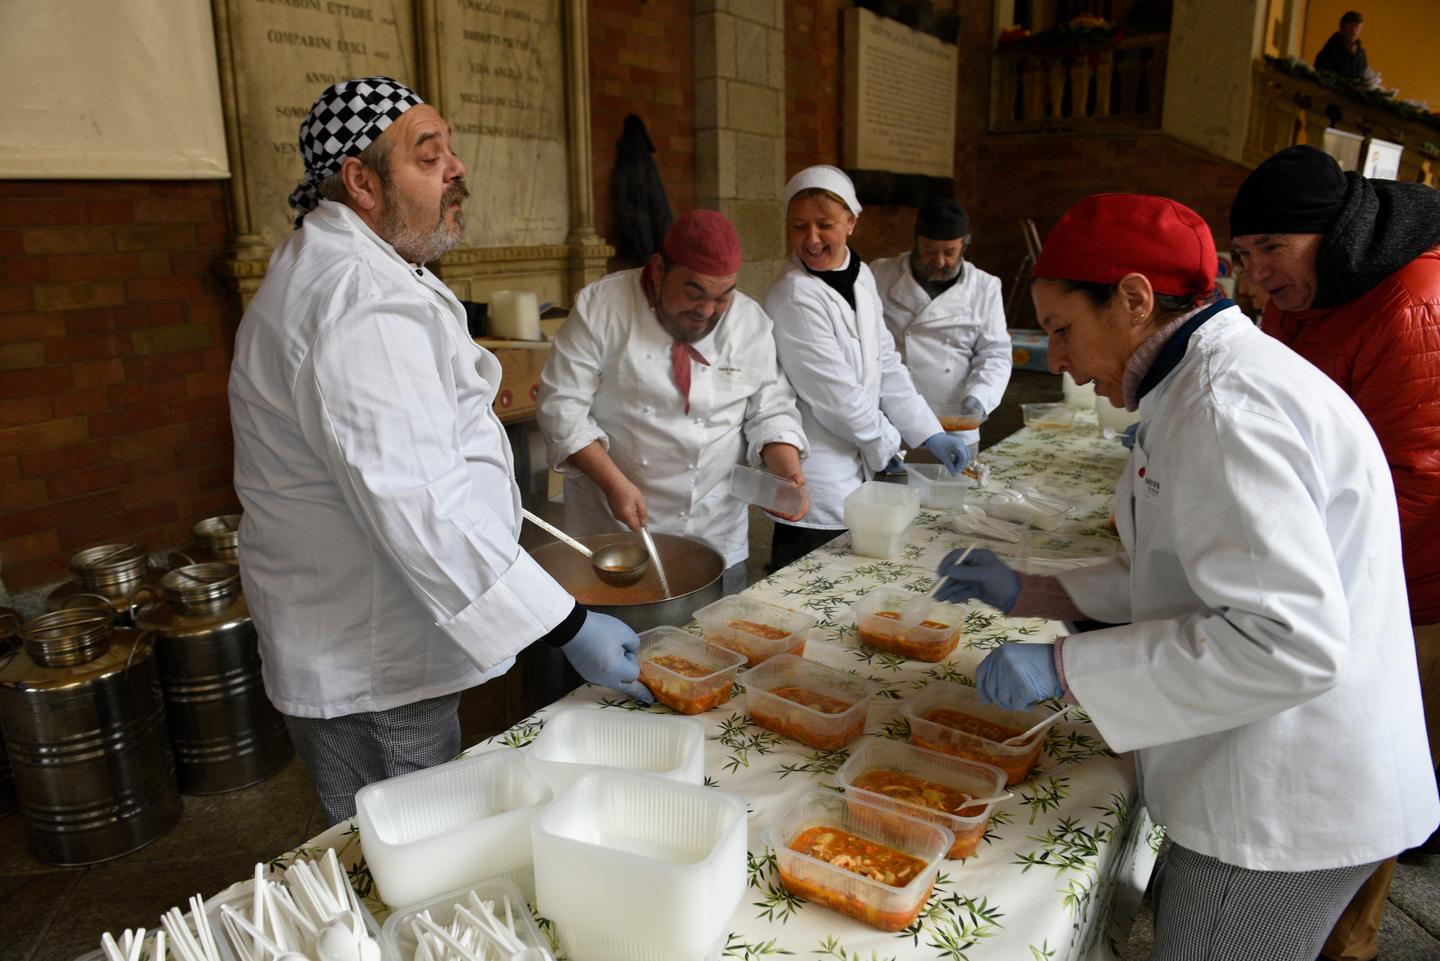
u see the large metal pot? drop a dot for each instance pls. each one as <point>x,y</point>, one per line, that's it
<point>225,732</point>
<point>9,640</point>
<point>106,576</point>
<point>216,539</point>
<point>694,571</point>
<point>85,729</point>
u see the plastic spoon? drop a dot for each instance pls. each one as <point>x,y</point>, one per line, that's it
<point>1027,735</point>
<point>913,609</point>
<point>994,798</point>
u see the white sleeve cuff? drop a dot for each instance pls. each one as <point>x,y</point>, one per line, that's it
<point>521,607</point>
<point>1101,590</point>
<point>757,444</point>
<point>560,453</point>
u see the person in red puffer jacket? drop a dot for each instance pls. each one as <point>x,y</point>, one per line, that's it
<point>1352,269</point>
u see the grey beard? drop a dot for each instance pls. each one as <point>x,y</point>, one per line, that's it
<point>925,276</point>
<point>417,247</point>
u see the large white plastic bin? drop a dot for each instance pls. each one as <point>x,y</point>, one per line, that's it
<point>631,867</point>
<point>877,514</point>
<point>575,740</point>
<point>440,829</point>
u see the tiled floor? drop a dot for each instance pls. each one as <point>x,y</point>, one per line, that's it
<point>57,914</point>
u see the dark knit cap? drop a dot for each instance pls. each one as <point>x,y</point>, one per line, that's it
<point>1351,16</point>
<point>942,220</point>
<point>1300,190</point>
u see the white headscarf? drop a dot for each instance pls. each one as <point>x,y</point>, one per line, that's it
<point>824,177</point>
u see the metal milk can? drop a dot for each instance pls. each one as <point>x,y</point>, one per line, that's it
<point>216,539</point>
<point>115,572</point>
<point>225,733</point>
<point>84,725</point>
<point>9,628</point>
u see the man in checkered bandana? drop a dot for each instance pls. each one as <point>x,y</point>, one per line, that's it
<point>379,542</point>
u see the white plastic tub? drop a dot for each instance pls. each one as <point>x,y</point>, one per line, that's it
<point>765,490</point>
<point>631,867</point>
<point>938,490</point>
<point>576,740</point>
<point>451,825</point>
<point>877,514</point>
<point>399,937</point>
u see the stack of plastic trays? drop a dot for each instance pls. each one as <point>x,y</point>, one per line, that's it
<point>574,741</point>
<point>877,514</point>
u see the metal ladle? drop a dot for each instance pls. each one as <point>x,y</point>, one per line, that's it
<point>618,565</point>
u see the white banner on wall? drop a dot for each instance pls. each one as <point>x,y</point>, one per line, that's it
<point>110,90</point>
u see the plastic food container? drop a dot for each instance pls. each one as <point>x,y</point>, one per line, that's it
<point>880,905</point>
<point>884,759</point>
<point>938,490</point>
<point>754,628</point>
<point>935,712</point>
<point>1046,512</point>
<point>683,672</point>
<point>507,902</point>
<point>877,514</point>
<point>814,704</point>
<point>765,490</point>
<point>1113,420</point>
<point>578,739</point>
<point>911,625</point>
<point>634,868</point>
<point>1081,397</point>
<point>1048,416</point>
<point>952,417</point>
<point>436,830</point>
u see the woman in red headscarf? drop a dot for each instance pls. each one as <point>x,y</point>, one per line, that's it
<point>1263,668</point>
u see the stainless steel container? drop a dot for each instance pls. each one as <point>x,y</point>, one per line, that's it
<point>9,640</point>
<point>112,572</point>
<point>225,733</point>
<point>693,569</point>
<point>216,539</point>
<point>84,725</point>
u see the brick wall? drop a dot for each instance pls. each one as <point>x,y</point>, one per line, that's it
<point>641,62</point>
<point>114,352</point>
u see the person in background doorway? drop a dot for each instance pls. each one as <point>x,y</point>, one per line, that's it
<point>1343,53</point>
<point>947,319</point>
<point>1352,270</point>
<point>378,547</point>
<point>664,378</point>
<point>857,401</point>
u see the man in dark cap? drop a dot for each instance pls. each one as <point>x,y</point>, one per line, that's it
<point>663,379</point>
<point>1343,53</point>
<point>948,321</point>
<point>378,546</point>
<point>1352,269</point>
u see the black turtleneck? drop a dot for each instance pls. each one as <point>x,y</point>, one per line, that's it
<point>841,281</point>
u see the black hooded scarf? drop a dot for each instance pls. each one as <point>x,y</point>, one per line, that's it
<point>1381,227</point>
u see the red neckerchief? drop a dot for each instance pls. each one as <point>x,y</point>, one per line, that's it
<point>681,353</point>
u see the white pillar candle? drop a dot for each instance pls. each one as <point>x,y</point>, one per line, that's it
<point>514,315</point>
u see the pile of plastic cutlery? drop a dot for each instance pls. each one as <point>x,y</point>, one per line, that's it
<point>313,915</point>
<point>476,933</point>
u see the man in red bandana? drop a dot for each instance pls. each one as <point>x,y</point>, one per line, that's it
<point>661,381</point>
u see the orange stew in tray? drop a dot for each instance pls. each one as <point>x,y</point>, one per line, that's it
<point>908,789</point>
<point>680,693</point>
<point>864,857</point>
<point>1016,765</point>
<point>755,640</point>
<point>772,712</point>
<point>917,642</point>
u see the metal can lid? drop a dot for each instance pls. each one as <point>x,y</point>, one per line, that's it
<point>218,534</point>
<point>199,585</point>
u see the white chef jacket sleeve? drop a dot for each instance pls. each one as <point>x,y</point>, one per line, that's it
<point>770,413</point>
<point>991,355</point>
<point>376,404</point>
<point>899,399</point>
<point>1240,506</point>
<point>1101,591</point>
<point>823,377</point>
<point>568,383</point>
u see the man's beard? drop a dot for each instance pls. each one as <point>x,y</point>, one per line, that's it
<point>927,275</point>
<point>422,247</point>
<point>683,332</point>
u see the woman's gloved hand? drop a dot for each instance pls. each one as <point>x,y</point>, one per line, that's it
<point>1018,675</point>
<point>982,576</point>
<point>1127,436</point>
<point>604,652</point>
<point>971,407</point>
<point>950,450</point>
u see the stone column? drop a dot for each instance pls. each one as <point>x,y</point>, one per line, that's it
<point>740,127</point>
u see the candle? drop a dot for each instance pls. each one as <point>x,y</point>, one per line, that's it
<point>514,315</point>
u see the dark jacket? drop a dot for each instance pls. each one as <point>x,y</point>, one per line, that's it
<point>642,211</point>
<point>1375,330</point>
<point>1337,58</point>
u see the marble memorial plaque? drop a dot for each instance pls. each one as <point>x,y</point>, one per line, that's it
<point>900,93</point>
<point>502,80</point>
<point>287,52</point>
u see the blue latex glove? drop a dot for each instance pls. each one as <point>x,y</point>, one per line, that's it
<point>1127,436</point>
<point>950,450</point>
<point>982,575</point>
<point>971,407</point>
<point>1017,675</point>
<point>896,468</point>
<point>603,651</point>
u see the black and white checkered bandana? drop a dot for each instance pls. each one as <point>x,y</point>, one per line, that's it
<point>347,118</point>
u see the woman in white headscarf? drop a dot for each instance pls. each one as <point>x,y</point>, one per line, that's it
<point>857,403</point>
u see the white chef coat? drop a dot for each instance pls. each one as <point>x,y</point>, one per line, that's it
<point>609,378</point>
<point>954,346</point>
<point>378,545</point>
<point>857,403</point>
<point>1269,669</point>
